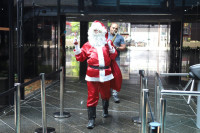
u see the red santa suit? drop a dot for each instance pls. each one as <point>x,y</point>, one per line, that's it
<point>99,56</point>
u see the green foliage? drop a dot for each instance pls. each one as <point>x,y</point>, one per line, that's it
<point>75,26</point>
<point>109,24</point>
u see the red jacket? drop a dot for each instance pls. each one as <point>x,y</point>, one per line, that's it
<point>100,56</point>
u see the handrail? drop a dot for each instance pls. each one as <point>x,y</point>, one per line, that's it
<point>185,93</point>
<point>174,74</point>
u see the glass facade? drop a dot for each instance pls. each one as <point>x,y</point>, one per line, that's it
<point>4,52</point>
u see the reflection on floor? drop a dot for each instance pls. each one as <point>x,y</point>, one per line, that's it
<point>180,117</point>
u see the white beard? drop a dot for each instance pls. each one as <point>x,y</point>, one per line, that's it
<point>97,40</point>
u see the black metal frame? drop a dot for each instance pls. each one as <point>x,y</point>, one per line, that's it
<point>20,44</point>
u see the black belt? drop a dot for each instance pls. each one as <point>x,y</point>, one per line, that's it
<point>97,67</point>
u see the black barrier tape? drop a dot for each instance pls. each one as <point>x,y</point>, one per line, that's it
<point>5,93</point>
<point>152,117</point>
<point>31,81</point>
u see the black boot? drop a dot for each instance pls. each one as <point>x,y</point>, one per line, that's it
<point>105,104</point>
<point>91,117</point>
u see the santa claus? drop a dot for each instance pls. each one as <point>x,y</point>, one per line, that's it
<point>99,53</point>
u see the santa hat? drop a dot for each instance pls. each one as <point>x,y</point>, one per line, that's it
<point>97,25</point>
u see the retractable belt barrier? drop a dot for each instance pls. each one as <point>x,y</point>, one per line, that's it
<point>17,98</point>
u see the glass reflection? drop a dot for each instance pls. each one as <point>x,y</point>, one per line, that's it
<point>72,30</point>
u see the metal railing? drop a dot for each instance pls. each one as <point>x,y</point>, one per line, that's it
<point>163,103</point>
<point>159,87</point>
<point>160,102</point>
<point>143,85</point>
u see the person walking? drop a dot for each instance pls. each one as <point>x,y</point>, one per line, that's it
<point>119,45</point>
<point>99,53</point>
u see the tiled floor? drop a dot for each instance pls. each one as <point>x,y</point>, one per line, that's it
<point>180,117</point>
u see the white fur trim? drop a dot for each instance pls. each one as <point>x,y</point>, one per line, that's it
<point>100,57</point>
<point>77,47</point>
<point>112,50</point>
<point>102,79</point>
<point>109,45</point>
<point>101,74</point>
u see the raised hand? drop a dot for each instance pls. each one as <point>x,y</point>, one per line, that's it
<point>75,41</point>
<point>109,45</point>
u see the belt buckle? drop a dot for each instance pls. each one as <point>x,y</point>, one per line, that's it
<point>100,68</point>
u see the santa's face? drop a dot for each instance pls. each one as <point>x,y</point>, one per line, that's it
<point>96,36</point>
<point>96,31</point>
<point>97,39</point>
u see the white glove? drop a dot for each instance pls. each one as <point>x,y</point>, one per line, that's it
<point>109,45</point>
<point>111,49</point>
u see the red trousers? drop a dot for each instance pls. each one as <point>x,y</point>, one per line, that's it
<point>94,88</point>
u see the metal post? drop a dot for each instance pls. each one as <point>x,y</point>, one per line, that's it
<point>155,99</point>
<point>187,84</point>
<point>20,4</point>
<point>44,128</point>
<point>198,106</point>
<point>61,90</point>
<point>163,114</point>
<point>158,95</point>
<point>191,89</point>
<point>43,101</point>
<point>61,114</point>
<point>141,72</point>
<point>144,111</point>
<point>58,34</point>
<point>145,82</point>
<point>137,119</point>
<point>17,108</point>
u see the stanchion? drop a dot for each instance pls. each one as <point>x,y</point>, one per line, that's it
<point>163,114</point>
<point>137,119</point>
<point>198,106</point>
<point>155,99</point>
<point>154,127</point>
<point>17,108</point>
<point>61,114</point>
<point>44,128</point>
<point>158,95</point>
<point>144,111</point>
